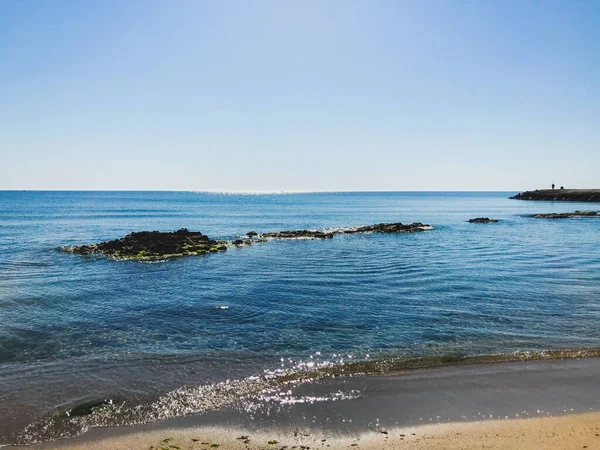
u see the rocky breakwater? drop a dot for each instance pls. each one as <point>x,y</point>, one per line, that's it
<point>563,195</point>
<point>153,245</point>
<point>158,245</point>
<point>566,215</point>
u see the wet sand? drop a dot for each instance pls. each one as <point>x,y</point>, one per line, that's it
<point>537,404</point>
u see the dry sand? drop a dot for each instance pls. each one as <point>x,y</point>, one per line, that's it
<point>576,431</point>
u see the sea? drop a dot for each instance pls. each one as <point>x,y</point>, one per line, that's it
<point>90,341</point>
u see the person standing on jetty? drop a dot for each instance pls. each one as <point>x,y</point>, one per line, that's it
<point>553,186</point>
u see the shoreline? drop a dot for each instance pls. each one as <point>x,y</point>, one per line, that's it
<point>365,410</point>
<point>197,403</point>
<point>562,432</point>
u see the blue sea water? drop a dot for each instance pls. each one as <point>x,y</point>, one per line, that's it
<point>76,329</point>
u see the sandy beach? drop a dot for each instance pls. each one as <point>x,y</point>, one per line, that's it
<point>566,432</point>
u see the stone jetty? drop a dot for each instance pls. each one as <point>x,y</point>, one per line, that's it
<point>561,195</point>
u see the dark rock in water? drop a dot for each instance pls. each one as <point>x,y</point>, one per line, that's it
<point>483,220</point>
<point>85,409</point>
<point>153,245</point>
<point>562,195</point>
<point>299,234</point>
<point>396,227</point>
<point>157,245</point>
<point>566,215</point>
<point>377,228</point>
<point>551,216</point>
<point>251,234</point>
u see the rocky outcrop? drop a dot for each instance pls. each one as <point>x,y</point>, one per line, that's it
<point>153,245</point>
<point>396,227</point>
<point>158,245</point>
<point>297,234</point>
<point>562,195</point>
<point>566,215</point>
<point>483,220</point>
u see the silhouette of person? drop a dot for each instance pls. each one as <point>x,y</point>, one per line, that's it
<point>552,186</point>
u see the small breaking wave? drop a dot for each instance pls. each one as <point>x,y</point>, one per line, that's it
<point>268,388</point>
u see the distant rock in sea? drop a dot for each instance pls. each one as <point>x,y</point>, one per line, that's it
<point>388,228</point>
<point>563,195</point>
<point>566,215</point>
<point>158,245</point>
<point>483,220</point>
<point>328,234</point>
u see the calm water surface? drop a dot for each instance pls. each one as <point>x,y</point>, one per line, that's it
<point>75,330</point>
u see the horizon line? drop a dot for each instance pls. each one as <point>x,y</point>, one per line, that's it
<point>250,192</point>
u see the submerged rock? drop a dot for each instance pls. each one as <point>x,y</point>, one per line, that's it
<point>566,215</point>
<point>87,408</point>
<point>483,220</point>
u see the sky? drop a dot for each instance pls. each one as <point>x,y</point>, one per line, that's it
<point>325,95</point>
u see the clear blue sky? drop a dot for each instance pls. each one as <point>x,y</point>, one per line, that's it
<point>306,95</point>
